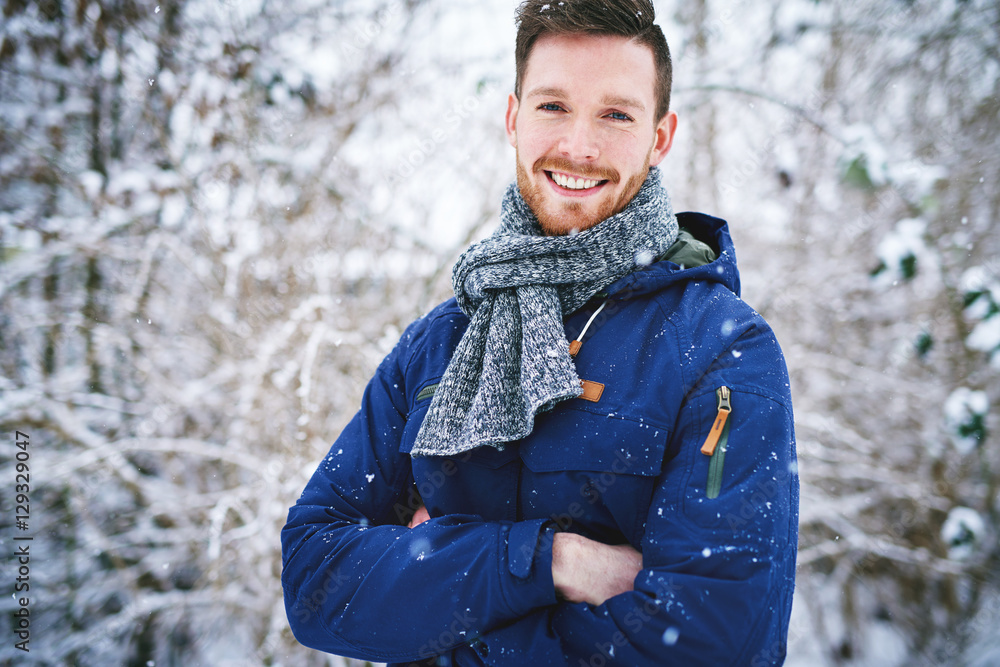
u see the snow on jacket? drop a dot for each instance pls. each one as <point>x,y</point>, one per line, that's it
<point>718,534</point>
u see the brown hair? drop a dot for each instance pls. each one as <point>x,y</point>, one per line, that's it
<point>627,18</point>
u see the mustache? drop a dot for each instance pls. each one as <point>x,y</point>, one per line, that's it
<point>566,166</point>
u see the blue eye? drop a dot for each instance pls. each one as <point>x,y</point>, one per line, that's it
<point>618,115</point>
<point>550,106</point>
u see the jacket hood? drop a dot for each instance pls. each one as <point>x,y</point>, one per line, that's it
<point>663,274</point>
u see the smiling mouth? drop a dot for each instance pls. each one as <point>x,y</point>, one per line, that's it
<point>577,184</point>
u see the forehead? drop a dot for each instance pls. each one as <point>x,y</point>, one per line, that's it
<point>599,64</point>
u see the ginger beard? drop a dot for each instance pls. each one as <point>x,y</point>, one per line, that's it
<point>559,216</point>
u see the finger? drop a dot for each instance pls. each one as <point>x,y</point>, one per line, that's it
<point>419,517</point>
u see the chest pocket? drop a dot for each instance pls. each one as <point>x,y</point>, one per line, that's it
<point>598,470</point>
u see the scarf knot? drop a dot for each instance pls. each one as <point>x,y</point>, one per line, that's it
<point>516,287</point>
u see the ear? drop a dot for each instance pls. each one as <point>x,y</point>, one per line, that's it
<point>511,119</point>
<point>664,138</point>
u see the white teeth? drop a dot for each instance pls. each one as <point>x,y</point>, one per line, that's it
<point>571,183</point>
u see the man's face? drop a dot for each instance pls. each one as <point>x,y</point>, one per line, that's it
<point>584,128</point>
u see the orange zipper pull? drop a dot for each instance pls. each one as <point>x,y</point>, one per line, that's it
<point>720,421</point>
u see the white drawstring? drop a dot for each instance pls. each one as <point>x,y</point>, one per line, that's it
<point>591,321</point>
<point>578,343</point>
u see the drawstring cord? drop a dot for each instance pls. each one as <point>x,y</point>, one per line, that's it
<point>574,347</point>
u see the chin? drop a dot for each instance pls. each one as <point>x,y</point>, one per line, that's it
<point>571,218</point>
<point>559,218</point>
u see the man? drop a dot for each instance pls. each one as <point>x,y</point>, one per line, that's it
<point>587,457</point>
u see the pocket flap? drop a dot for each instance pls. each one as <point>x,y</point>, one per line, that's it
<point>572,439</point>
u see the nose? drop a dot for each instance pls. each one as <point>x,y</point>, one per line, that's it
<point>579,142</point>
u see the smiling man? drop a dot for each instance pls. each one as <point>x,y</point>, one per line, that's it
<point>586,457</point>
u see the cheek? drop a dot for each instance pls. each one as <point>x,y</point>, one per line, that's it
<point>533,142</point>
<point>628,149</point>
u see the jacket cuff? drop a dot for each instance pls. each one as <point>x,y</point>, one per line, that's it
<point>529,562</point>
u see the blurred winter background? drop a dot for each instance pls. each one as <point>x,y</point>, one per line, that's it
<point>217,216</point>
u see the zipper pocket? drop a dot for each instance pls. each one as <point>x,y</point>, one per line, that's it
<point>427,392</point>
<point>716,442</point>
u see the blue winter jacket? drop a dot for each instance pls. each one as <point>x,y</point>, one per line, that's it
<point>473,585</point>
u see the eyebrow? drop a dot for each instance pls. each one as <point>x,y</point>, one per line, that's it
<point>616,101</point>
<point>611,100</point>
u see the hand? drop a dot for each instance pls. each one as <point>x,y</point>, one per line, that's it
<point>419,517</point>
<point>584,570</point>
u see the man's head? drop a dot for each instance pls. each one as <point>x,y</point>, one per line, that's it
<point>632,19</point>
<point>590,111</point>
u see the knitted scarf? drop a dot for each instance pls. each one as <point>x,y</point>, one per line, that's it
<point>516,287</point>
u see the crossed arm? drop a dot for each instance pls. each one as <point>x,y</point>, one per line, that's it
<point>583,570</point>
<point>719,572</point>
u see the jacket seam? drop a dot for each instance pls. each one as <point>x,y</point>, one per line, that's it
<point>771,600</point>
<point>428,321</point>
<point>503,567</point>
<point>605,415</point>
<point>380,653</point>
<point>340,639</point>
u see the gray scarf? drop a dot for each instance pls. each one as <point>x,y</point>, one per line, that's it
<point>516,287</point>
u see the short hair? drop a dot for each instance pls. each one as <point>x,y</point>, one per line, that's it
<point>626,18</point>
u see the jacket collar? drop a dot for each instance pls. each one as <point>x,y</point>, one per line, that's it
<point>660,275</point>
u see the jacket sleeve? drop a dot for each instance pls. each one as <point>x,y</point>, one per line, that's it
<point>718,572</point>
<point>359,584</point>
